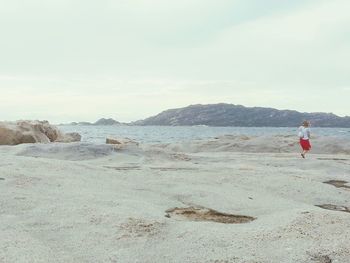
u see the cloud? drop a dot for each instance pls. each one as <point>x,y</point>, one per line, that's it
<point>131,59</point>
<point>297,48</point>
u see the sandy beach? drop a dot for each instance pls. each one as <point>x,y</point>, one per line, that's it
<point>203,201</point>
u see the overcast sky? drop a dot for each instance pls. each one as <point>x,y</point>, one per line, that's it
<point>79,60</point>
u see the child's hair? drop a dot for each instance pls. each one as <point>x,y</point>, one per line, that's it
<point>306,123</point>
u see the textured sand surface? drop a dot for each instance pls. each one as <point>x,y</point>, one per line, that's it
<point>90,203</point>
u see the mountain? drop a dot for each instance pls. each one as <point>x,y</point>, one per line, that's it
<point>106,122</point>
<point>237,115</point>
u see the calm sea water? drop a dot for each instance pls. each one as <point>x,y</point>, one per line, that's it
<point>164,134</point>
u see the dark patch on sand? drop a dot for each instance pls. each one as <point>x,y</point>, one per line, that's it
<point>206,214</point>
<point>338,183</point>
<point>335,208</point>
<point>2,179</point>
<point>173,168</point>
<point>180,157</point>
<point>333,159</point>
<point>321,259</point>
<point>123,168</point>
<point>234,259</point>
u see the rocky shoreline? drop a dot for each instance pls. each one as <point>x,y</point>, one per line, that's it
<point>233,199</point>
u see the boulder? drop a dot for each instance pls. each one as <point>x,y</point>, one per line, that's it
<point>41,129</point>
<point>112,141</point>
<point>13,133</point>
<point>69,137</point>
<point>9,136</point>
<point>121,143</point>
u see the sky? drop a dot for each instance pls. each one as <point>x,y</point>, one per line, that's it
<point>80,60</point>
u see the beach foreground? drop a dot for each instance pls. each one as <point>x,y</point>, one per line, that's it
<point>195,202</point>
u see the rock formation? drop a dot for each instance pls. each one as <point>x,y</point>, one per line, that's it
<point>112,141</point>
<point>122,143</point>
<point>69,137</point>
<point>13,133</point>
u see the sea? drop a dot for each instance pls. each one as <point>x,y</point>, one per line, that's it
<point>171,134</point>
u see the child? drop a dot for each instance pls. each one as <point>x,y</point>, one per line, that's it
<point>304,135</point>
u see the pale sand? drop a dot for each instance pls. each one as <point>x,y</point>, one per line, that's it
<point>88,203</point>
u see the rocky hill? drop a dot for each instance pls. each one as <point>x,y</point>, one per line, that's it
<point>238,115</point>
<point>104,121</point>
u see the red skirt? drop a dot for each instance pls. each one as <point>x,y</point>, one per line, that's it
<point>305,144</point>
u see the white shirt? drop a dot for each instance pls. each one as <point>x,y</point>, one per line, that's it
<point>304,133</point>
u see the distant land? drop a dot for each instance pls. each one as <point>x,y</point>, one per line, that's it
<point>230,115</point>
<point>239,116</point>
<point>109,121</point>
<point>100,122</point>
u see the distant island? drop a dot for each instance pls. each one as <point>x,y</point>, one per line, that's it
<point>223,114</point>
<point>107,122</point>
<point>100,122</point>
